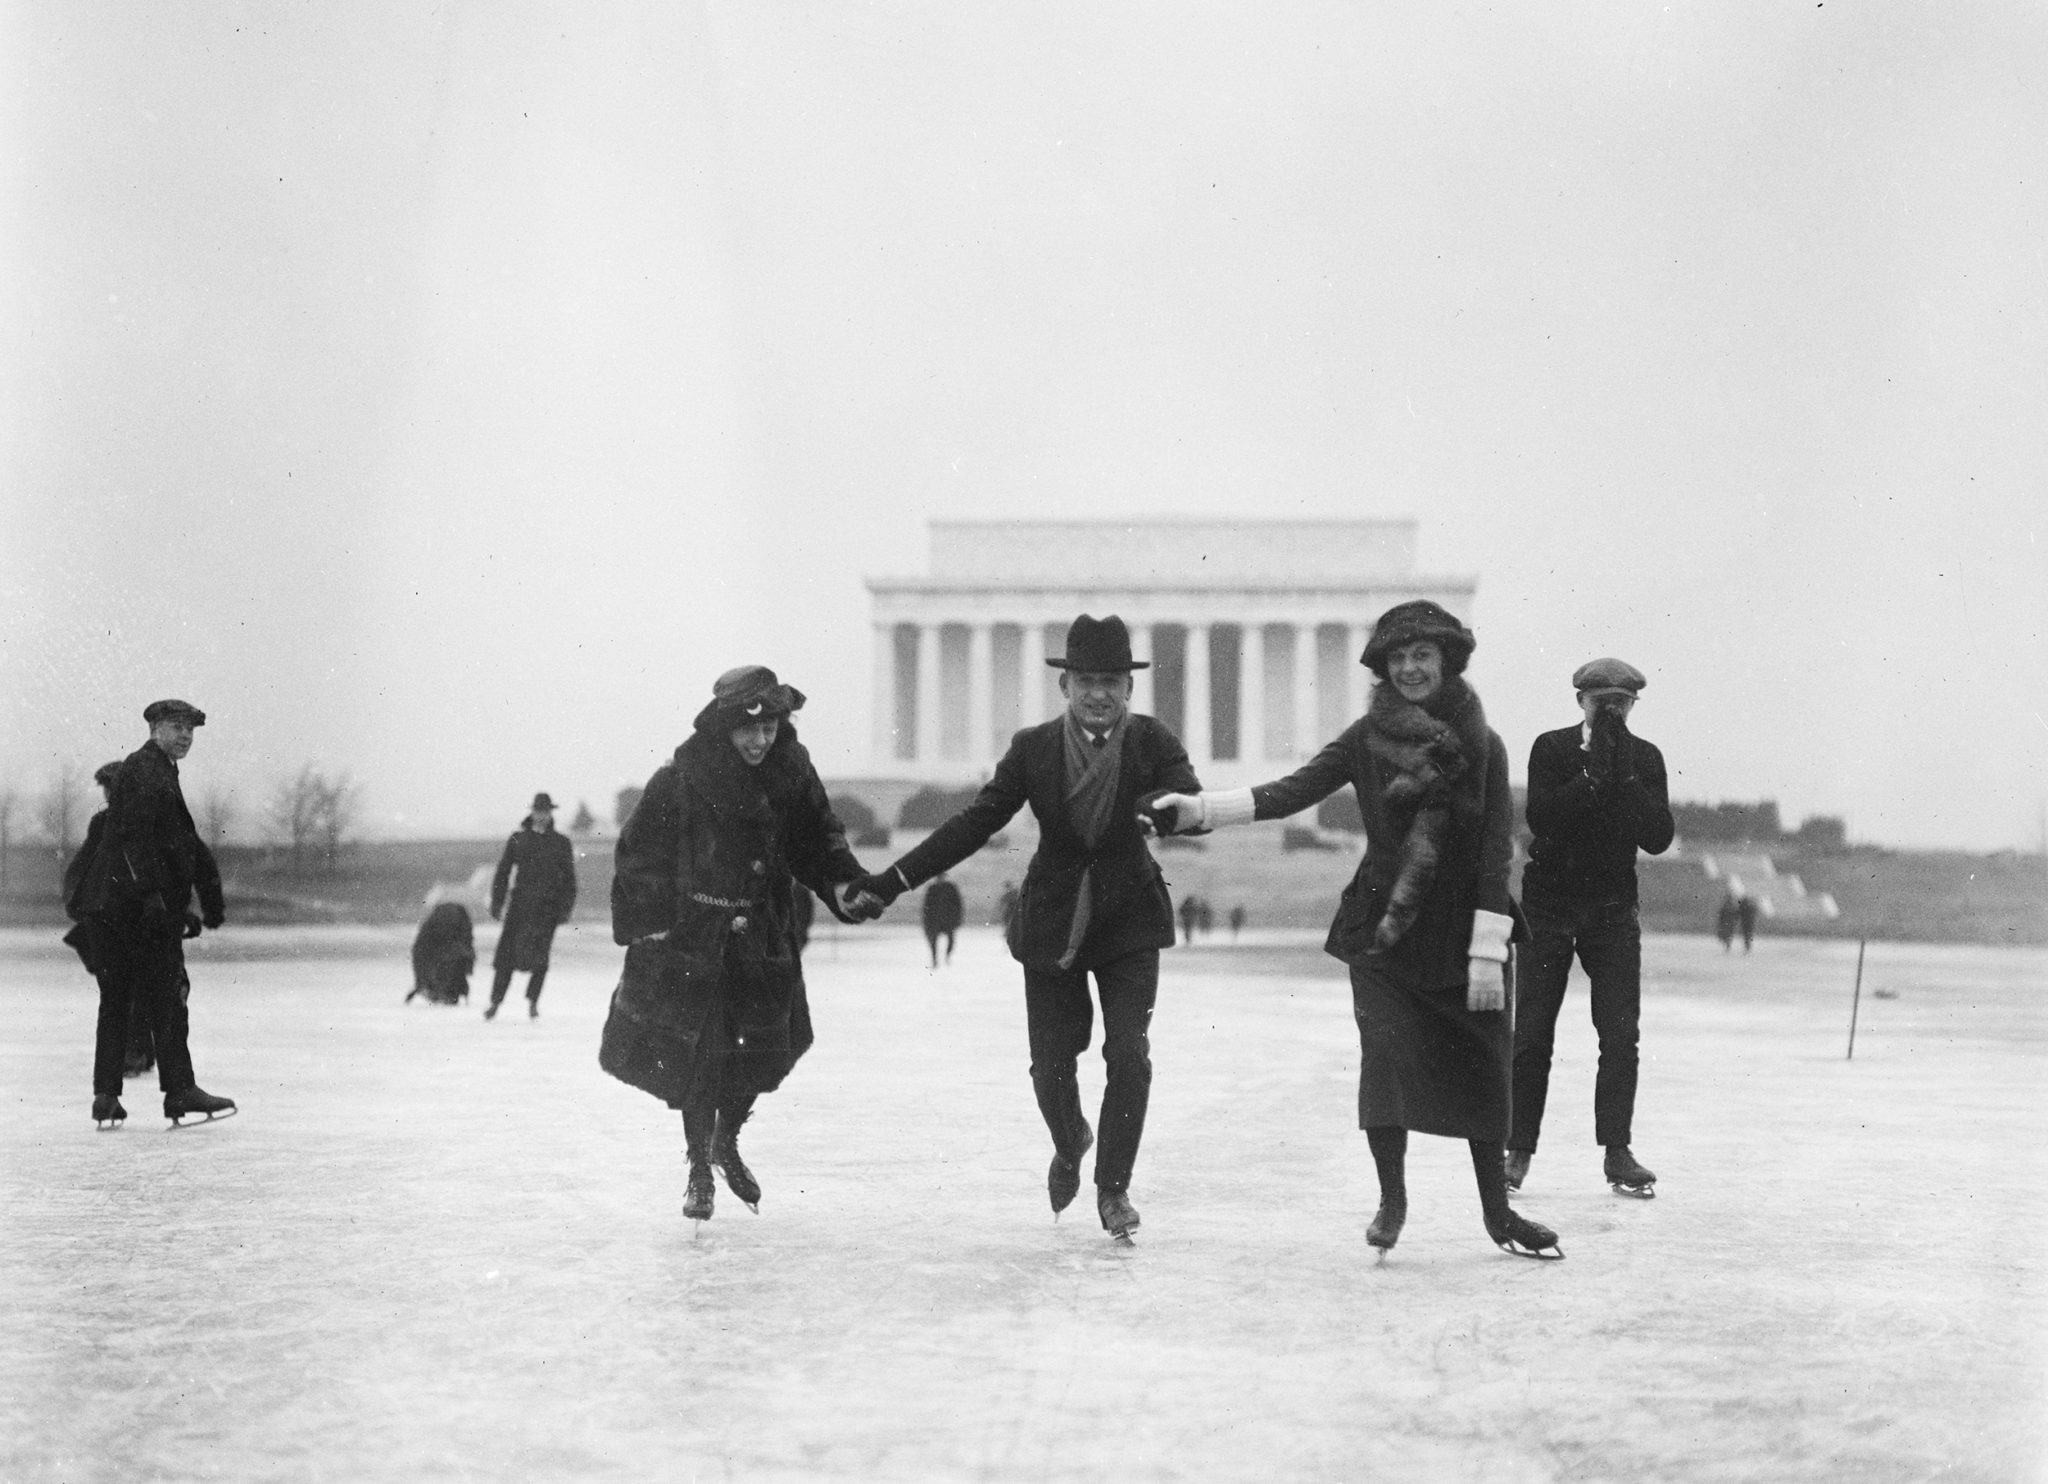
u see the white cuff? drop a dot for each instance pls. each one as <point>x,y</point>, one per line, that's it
<point>1490,936</point>
<point>1229,806</point>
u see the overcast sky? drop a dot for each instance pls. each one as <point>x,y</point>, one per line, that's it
<point>446,394</point>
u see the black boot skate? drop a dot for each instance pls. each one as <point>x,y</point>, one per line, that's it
<point>1063,1175</point>
<point>1119,1216</point>
<point>700,1194</point>
<point>196,1102</point>
<point>107,1111</point>
<point>1626,1176</point>
<point>725,1154</point>
<point>1387,1222</point>
<point>1524,1238</point>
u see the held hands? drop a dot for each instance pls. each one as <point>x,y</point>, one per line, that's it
<point>871,896</point>
<point>1171,814</point>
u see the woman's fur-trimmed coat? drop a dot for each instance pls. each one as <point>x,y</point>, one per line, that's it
<point>712,999</point>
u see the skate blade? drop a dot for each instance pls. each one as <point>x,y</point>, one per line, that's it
<point>1538,1254</point>
<point>108,1125</point>
<point>1122,1239</point>
<point>202,1119</point>
<point>1635,1192</point>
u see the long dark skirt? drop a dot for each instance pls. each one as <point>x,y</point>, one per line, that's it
<point>1427,1063</point>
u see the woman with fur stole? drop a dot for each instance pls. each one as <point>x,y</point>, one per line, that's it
<point>1424,924</point>
<point>711,1011</point>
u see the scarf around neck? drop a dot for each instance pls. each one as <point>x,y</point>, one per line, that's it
<point>1432,767</point>
<point>1092,775</point>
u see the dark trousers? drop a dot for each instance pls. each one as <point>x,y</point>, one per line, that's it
<point>141,973</point>
<point>1607,938</point>
<point>501,981</point>
<point>932,936</point>
<point>1061,1019</point>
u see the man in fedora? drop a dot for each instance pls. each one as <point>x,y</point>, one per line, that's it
<point>1597,795</point>
<point>1093,901</point>
<point>539,866</point>
<point>135,897</point>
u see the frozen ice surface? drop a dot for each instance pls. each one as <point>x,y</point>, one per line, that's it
<point>434,1248</point>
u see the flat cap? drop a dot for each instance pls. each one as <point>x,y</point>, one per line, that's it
<point>1608,677</point>
<point>157,711</point>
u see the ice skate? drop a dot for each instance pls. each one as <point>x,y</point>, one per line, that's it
<point>491,1010</point>
<point>107,1111</point>
<point>700,1194</point>
<point>1386,1226</point>
<point>533,1009</point>
<point>1063,1175</point>
<point>725,1154</point>
<point>1626,1176</point>
<point>195,1101</point>
<point>1519,1235</point>
<point>1517,1167</point>
<point>1119,1216</point>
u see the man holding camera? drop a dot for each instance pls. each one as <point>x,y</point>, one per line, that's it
<point>1597,795</point>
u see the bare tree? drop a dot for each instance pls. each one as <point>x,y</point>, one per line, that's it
<point>217,810</point>
<point>62,804</point>
<point>312,814</point>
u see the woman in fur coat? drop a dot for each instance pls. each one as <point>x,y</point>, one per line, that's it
<point>1424,924</point>
<point>711,1010</point>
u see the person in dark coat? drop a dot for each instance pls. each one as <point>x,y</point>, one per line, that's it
<point>1426,920</point>
<point>443,955</point>
<point>539,867</point>
<point>1093,901</point>
<point>141,1044</point>
<point>943,914</point>
<point>137,892</point>
<point>1597,795</point>
<point>1745,914</point>
<point>711,1011</point>
<point>1726,916</point>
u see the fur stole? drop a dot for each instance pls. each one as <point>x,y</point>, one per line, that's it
<point>1432,766</point>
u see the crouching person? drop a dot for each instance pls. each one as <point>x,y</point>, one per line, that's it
<point>711,1011</point>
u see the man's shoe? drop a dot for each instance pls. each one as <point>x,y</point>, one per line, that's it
<point>1627,1176</point>
<point>1517,1166</point>
<point>1063,1175</point>
<point>107,1111</point>
<point>1119,1216</point>
<point>491,1010</point>
<point>195,1102</point>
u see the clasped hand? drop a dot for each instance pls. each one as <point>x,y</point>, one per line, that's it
<point>1170,814</point>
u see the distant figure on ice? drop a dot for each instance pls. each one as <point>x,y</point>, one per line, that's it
<point>543,895</point>
<point>1425,923</point>
<point>1094,902</point>
<point>1747,911</point>
<point>711,1011</point>
<point>141,1055</point>
<point>1726,917</point>
<point>1205,916</point>
<point>1190,914</point>
<point>943,914</point>
<point>1236,921</point>
<point>443,954</point>
<point>1597,795</point>
<point>135,896</point>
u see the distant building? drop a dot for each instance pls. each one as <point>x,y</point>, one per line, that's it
<point>1253,628</point>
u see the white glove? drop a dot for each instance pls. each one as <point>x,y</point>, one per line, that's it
<point>1486,962</point>
<point>1209,810</point>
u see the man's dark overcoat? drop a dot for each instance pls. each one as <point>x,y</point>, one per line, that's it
<point>1586,841</point>
<point>1130,907</point>
<point>712,858</point>
<point>148,848</point>
<point>542,897</point>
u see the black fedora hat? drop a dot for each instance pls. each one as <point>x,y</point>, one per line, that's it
<point>1098,646</point>
<point>542,801</point>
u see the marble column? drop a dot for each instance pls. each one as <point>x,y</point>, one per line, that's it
<point>980,668</point>
<point>1361,678</point>
<point>927,693</point>
<point>1141,680</point>
<point>1199,723</point>
<point>1307,719</point>
<point>1034,671</point>
<point>1251,694</point>
<point>883,733</point>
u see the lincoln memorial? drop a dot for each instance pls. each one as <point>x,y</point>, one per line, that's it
<point>1253,628</point>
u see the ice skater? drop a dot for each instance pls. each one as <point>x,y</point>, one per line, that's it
<point>141,1055</point>
<point>135,897</point>
<point>711,1011</point>
<point>443,955</point>
<point>539,866</point>
<point>1093,902</point>
<point>943,913</point>
<point>1597,795</point>
<point>1425,923</point>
